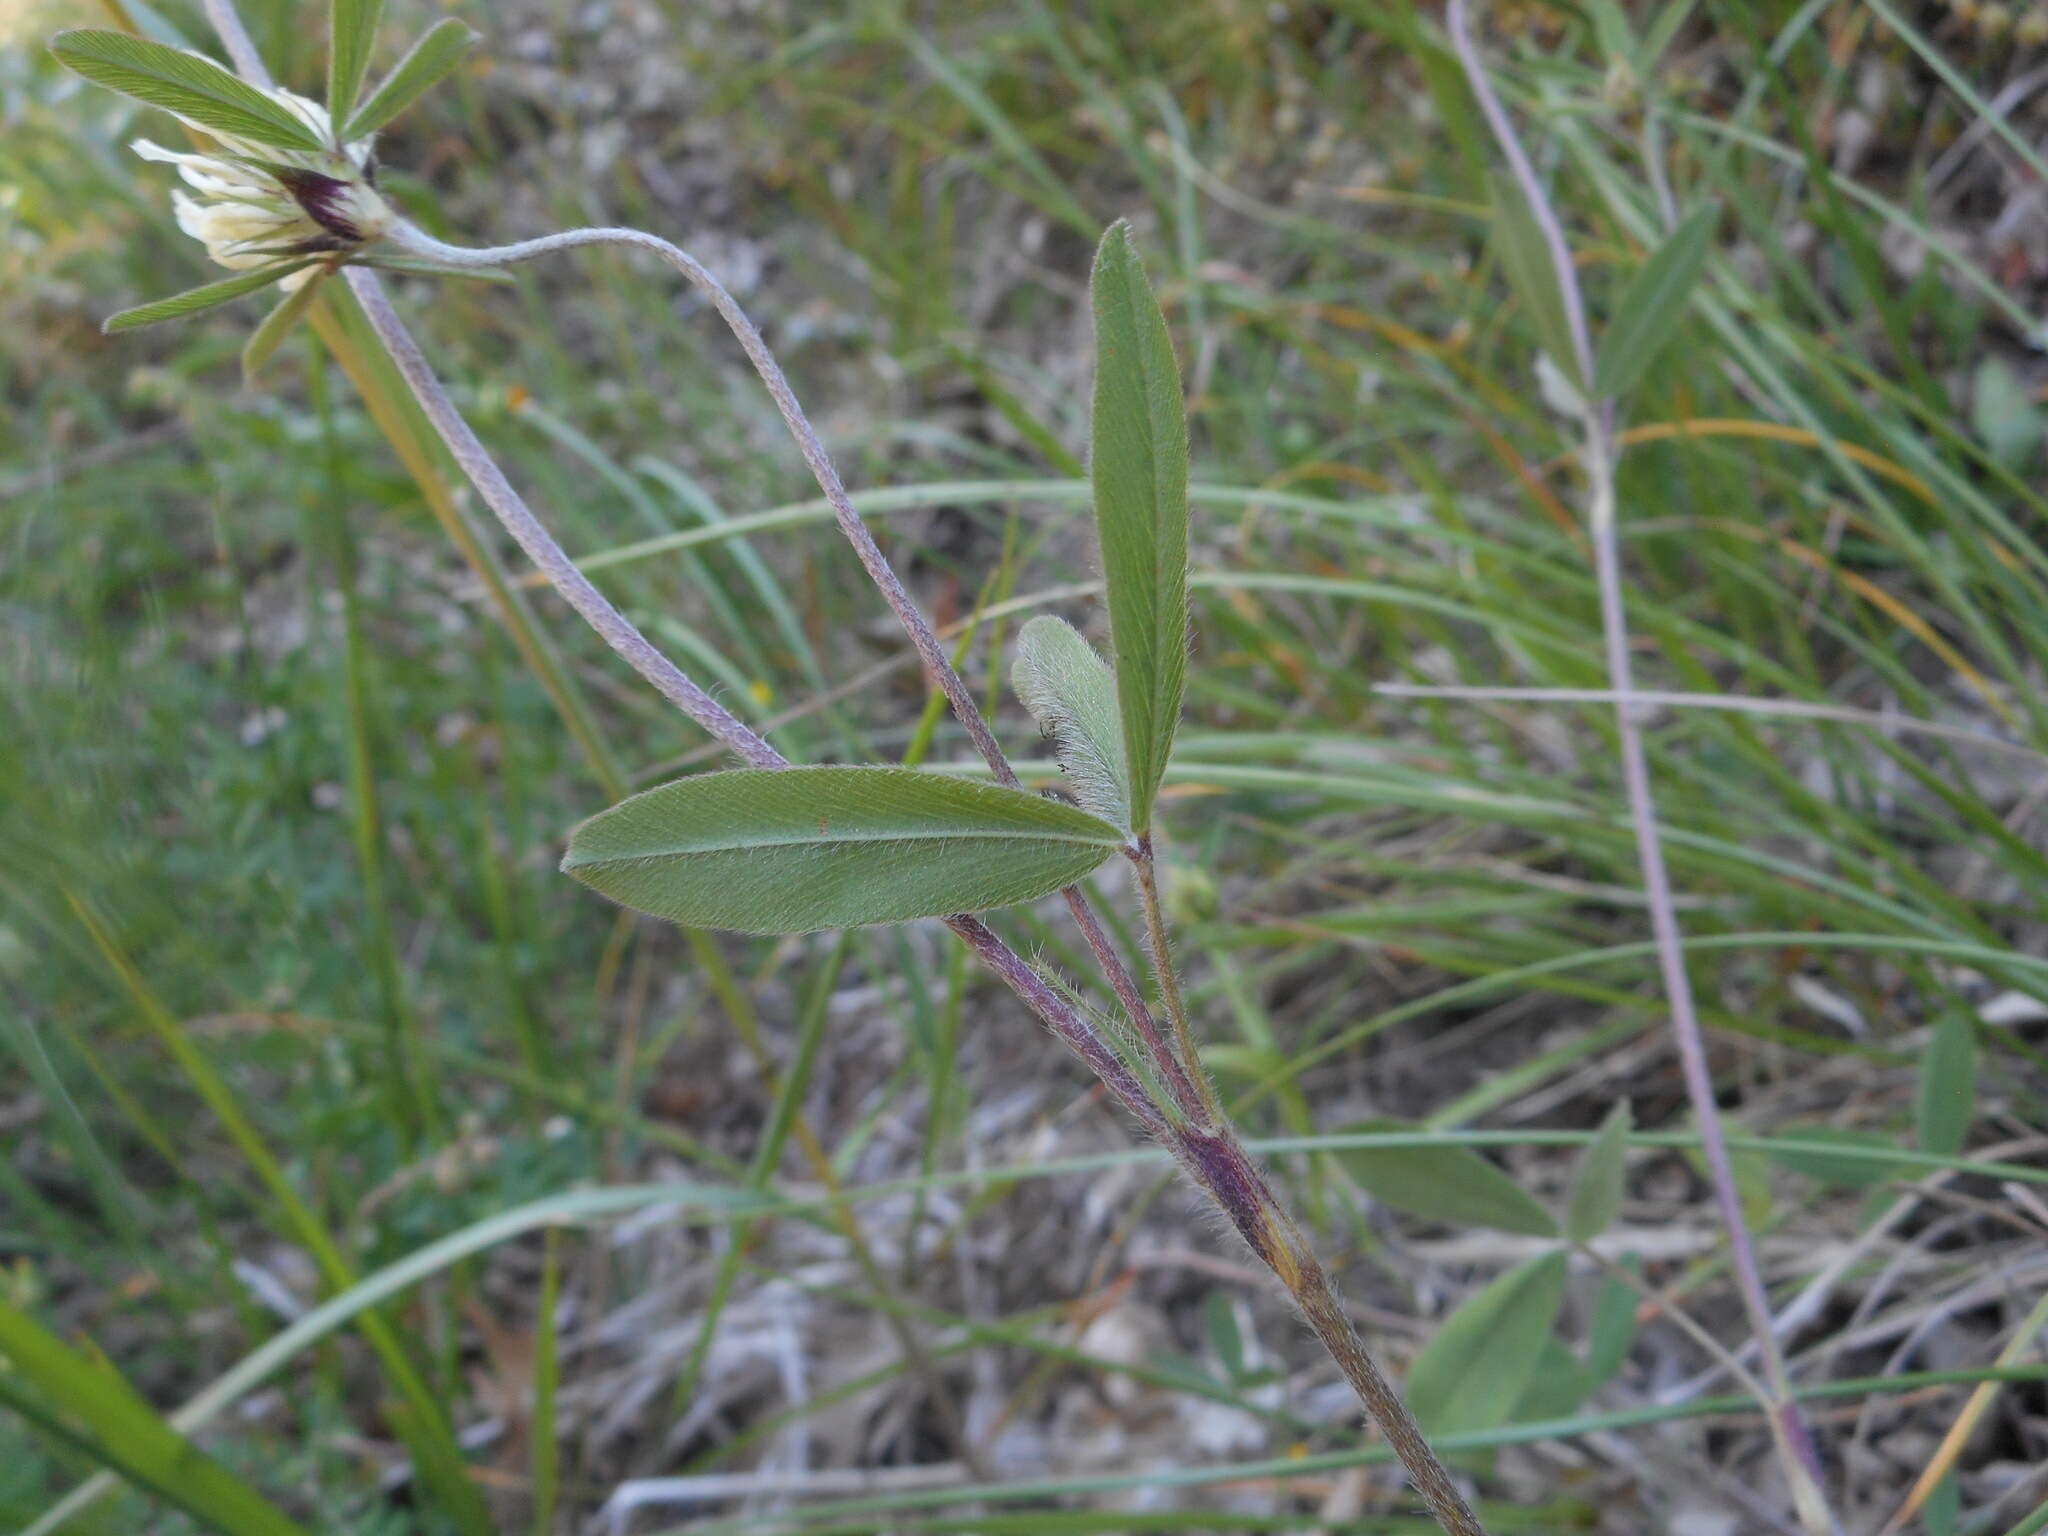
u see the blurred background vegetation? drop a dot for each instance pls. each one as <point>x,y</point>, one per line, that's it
<point>286,969</point>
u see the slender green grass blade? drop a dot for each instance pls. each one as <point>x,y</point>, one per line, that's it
<point>429,1436</point>
<point>122,1430</point>
<point>1047,188</point>
<point>544,1446</point>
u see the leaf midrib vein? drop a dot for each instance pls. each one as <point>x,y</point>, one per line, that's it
<point>828,840</point>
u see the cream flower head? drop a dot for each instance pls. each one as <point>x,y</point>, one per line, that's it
<point>286,191</point>
<point>252,205</point>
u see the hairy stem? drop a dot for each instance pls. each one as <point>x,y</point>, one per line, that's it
<point>1790,1433</point>
<point>1220,1165</point>
<point>591,605</point>
<point>937,664</point>
<point>1182,1076</point>
<point>645,658</point>
<point>1161,943</point>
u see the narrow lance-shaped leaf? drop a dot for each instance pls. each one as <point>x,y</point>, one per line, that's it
<point>351,35</point>
<point>2003,411</point>
<point>1070,693</point>
<point>1652,305</point>
<point>1557,1386</point>
<point>794,850</point>
<point>1525,257</point>
<point>276,326</point>
<point>192,86</point>
<point>1597,1186</point>
<point>1473,1372</point>
<point>428,62</point>
<point>1139,466</point>
<point>1662,31</point>
<point>192,300</point>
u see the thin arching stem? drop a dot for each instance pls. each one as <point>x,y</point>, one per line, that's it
<point>1204,1145</point>
<point>591,605</point>
<point>1795,1441</point>
<point>937,664</point>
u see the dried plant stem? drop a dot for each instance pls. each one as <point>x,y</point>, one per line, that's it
<point>1795,1444</point>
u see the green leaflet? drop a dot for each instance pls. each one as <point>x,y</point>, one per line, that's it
<point>351,34</point>
<point>1597,1185</point>
<point>276,326</point>
<point>195,88</point>
<point>1652,305</point>
<point>1070,693</point>
<point>192,300</point>
<point>430,60</point>
<point>2003,412</point>
<point>1948,1084</point>
<point>1139,466</point>
<point>1612,1332</point>
<point>1453,1185</point>
<point>794,850</point>
<point>1525,257</point>
<point>1814,1155</point>
<point>1471,1374</point>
